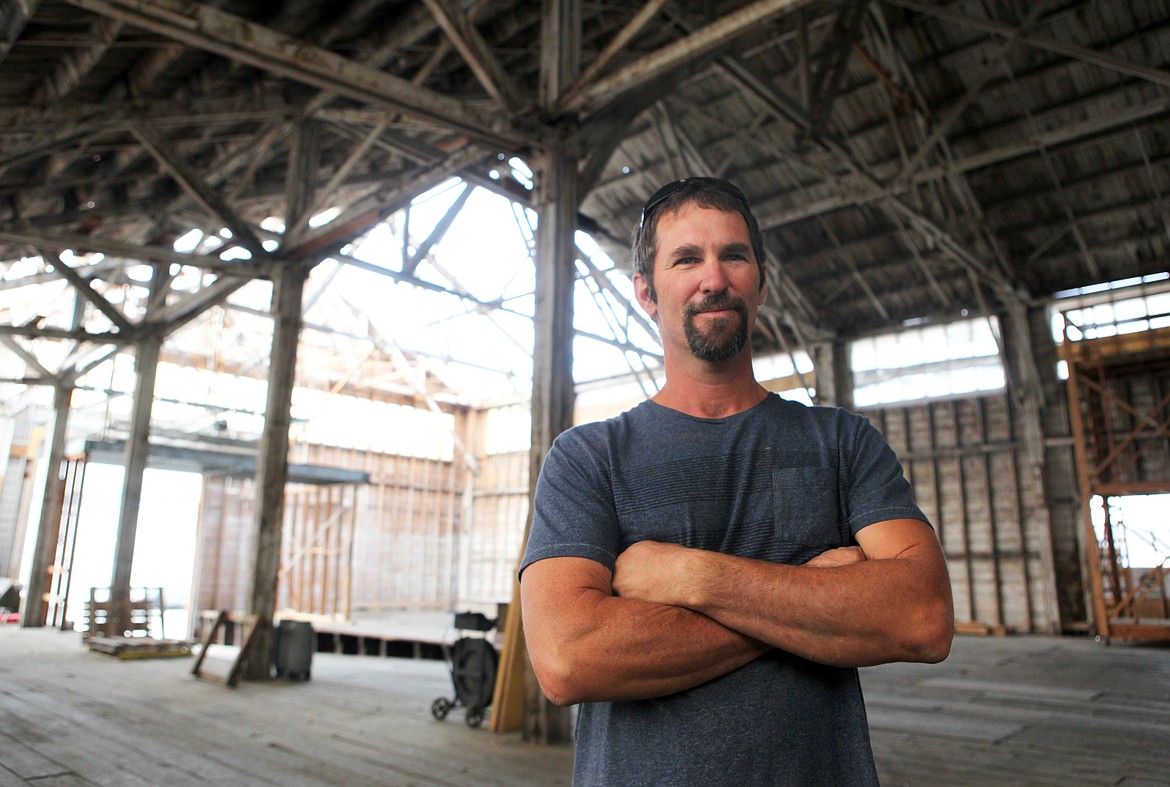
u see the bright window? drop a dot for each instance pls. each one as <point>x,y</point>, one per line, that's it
<point>1110,309</point>
<point>928,362</point>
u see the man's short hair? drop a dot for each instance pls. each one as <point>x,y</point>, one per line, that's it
<point>705,192</point>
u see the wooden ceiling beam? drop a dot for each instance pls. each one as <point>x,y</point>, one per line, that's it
<point>685,51</point>
<point>615,47</point>
<point>479,57</point>
<point>1060,135</point>
<point>174,315</point>
<point>1063,47</point>
<point>77,64</point>
<point>198,188</point>
<point>14,19</point>
<point>115,248</point>
<point>86,291</point>
<point>363,214</point>
<point>237,39</point>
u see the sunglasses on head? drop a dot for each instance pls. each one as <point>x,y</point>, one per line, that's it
<point>675,186</point>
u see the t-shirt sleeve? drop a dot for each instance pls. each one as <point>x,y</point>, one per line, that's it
<point>876,487</point>
<point>573,513</point>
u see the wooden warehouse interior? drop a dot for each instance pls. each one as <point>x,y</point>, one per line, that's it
<point>238,241</point>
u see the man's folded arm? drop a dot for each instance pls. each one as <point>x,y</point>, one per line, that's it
<point>588,645</point>
<point>895,605</point>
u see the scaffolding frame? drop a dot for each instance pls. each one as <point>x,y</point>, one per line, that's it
<point>1112,437</point>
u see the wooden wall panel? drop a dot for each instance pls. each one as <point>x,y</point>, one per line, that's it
<point>431,533</point>
<point>971,477</point>
<point>405,537</point>
<point>497,527</point>
<point>317,550</point>
<point>391,544</point>
<point>223,544</point>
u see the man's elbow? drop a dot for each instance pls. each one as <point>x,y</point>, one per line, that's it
<point>936,645</point>
<point>935,634</point>
<point>559,680</point>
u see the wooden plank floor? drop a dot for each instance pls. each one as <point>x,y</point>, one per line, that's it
<point>72,717</point>
<point>999,711</point>
<point>1024,711</point>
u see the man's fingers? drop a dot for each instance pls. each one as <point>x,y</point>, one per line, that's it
<point>841,556</point>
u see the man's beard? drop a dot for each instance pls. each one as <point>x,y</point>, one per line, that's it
<point>721,342</point>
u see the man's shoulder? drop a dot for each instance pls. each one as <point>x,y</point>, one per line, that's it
<point>810,427</point>
<point>829,416</point>
<point>636,415</point>
<point>608,430</point>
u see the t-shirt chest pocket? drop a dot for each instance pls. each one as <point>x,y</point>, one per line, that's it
<point>805,502</point>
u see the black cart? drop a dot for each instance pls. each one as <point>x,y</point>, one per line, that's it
<point>473,670</point>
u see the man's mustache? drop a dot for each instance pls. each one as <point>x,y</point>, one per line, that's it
<point>716,302</point>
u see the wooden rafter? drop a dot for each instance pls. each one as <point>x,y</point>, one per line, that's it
<point>238,39</point>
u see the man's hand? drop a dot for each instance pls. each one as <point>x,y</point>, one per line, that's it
<point>841,556</point>
<point>652,571</point>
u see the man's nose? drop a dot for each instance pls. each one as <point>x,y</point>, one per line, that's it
<point>714,277</point>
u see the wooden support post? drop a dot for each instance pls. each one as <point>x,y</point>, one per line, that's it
<point>272,466</point>
<point>137,449</point>
<point>1090,551</point>
<point>49,528</point>
<point>834,375</point>
<point>1027,334</point>
<point>552,413</point>
<point>552,361</point>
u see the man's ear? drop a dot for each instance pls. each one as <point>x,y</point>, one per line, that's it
<point>763,289</point>
<point>644,292</point>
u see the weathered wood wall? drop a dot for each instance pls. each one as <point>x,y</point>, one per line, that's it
<point>407,521</point>
<point>971,476</point>
<point>401,541</point>
<point>390,544</point>
<point>436,533</point>
<point>496,532</point>
<point>317,550</point>
<point>223,546</point>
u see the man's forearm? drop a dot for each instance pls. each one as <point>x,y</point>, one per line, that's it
<point>590,646</point>
<point>858,615</point>
<point>895,607</point>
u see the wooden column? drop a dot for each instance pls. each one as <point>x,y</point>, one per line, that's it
<point>1024,327</point>
<point>552,362</point>
<point>272,466</point>
<point>49,528</point>
<point>518,700</point>
<point>834,373</point>
<point>517,692</point>
<point>552,373</point>
<point>134,467</point>
<point>147,351</point>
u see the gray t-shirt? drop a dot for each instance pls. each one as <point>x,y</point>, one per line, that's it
<point>780,482</point>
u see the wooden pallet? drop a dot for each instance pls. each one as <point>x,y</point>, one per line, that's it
<point>144,609</point>
<point>140,647</point>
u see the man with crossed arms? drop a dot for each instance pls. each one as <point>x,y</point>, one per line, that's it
<point>707,571</point>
